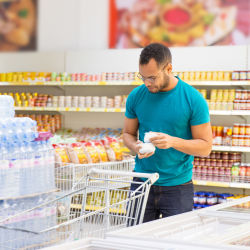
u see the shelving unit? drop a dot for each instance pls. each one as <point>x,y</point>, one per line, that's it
<point>121,83</point>
<point>46,109</point>
<point>184,59</point>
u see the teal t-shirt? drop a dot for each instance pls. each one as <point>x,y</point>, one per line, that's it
<point>172,112</point>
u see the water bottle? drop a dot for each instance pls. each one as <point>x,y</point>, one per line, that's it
<point>14,168</point>
<point>6,107</point>
<point>4,168</point>
<point>30,170</point>
<point>23,161</point>
<point>51,165</point>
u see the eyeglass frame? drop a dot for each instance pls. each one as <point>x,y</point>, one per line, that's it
<point>150,79</point>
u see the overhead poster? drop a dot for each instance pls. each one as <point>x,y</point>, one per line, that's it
<point>136,23</point>
<point>18,25</point>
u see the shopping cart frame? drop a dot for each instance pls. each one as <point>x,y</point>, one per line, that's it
<point>134,203</point>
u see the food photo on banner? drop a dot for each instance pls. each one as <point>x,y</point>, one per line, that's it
<point>136,23</point>
<point>18,25</point>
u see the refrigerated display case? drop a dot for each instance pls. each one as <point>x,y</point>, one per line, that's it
<point>222,225</point>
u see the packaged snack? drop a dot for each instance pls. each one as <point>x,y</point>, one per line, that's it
<point>77,154</point>
<point>61,155</point>
<point>92,152</point>
<point>115,146</point>
<point>102,152</point>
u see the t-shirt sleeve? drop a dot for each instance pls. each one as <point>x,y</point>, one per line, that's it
<point>200,111</point>
<point>130,107</point>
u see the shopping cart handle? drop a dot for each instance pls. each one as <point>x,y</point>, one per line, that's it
<point>152,177</point>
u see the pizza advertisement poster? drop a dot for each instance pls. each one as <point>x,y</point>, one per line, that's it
<point>18,25</point>
<point>136,23</point>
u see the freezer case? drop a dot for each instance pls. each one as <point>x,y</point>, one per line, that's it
<point>226,224</point>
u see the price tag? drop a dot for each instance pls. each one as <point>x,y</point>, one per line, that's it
<point>102,83</point>
<point>77,109</point>
<point>118,110</point>
<point>87,110</point>
<point>135,83</point>
<point>39,83</point>
<point>61,83</point>
<point>67,109</point>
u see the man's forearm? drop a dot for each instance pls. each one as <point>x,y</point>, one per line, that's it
<point>196,147</point>
<point>130,141</point>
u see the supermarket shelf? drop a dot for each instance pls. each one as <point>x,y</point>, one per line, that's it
<point>218,83</point>
<point>232,149</point>
<point>112,110</point>
<point>72,83</point>
<point>230,112</point>
<point>222,184</point>
<point>118,83</point>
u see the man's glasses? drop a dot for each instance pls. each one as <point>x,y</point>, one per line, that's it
<point>151,79</point>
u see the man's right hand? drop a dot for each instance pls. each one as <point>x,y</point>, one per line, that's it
<point>141,156</point>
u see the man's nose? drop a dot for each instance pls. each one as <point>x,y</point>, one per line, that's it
<point>147,83</point>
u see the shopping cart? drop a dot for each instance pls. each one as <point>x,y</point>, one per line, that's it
<point>100,202</point>
<point>68,175</point>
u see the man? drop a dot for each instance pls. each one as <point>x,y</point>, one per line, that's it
<point>180,116</point>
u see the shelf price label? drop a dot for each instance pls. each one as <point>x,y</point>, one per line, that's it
<point>118,110</point>
<point>77,109</point>
<point>102,83</point>
<point>66,109</point>
<point>136,83</point>
<point>88,109</point>
<point>39,83</point>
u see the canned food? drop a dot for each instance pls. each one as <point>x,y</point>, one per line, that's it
<point>213,95</point>
<point>215,75</point>
<point>227,76</point>
<point>242,129</point>
<point>236,75</point>
<point>235,140</point>
<point>238,94</point>
<point>209,75</point>
<point>243,75</point>
<point>203,76</point>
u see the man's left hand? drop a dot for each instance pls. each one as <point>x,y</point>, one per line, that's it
<point>163,141</point>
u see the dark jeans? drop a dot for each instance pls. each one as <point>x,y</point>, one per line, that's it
<point>167,201</point>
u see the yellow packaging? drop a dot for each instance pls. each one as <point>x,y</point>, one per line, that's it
<point>215,75</point>
<point>203,76</point>
<point>191,76</point>
<point>197,76</point>
<point>225,95</point>
<point>227,76</point>
<point>221,75</point>
<point>219,94</point>
<point>186,76</point>
<point>213,95</point>
<point>181,75</point>
<point>218,105</point>
<point>231,94</point>
<point>209,76</point>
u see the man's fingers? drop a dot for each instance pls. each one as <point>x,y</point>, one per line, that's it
<point>146,155</point>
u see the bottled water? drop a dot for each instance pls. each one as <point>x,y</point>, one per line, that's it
<point>26,167</point>
<point>6,107</point>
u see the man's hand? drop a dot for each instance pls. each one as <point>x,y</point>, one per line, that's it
<point>163,141</point>
<point>141,156</point>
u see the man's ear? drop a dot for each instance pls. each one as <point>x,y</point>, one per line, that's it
<point>169,68</point>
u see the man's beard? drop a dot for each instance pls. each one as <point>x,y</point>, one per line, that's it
<point>163,85</point>
<point>165,82</point>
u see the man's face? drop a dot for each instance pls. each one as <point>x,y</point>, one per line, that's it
<point>155,78</point>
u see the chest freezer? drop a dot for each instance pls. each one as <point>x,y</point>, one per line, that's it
<point>226,224</point>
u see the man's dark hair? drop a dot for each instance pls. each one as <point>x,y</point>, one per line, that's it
<point>157,51</point>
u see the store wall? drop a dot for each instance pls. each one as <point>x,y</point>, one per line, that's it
<point>72,25</point>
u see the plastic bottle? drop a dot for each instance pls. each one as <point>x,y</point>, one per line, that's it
<point>14,170</point>
<point>30,169</point>
<point>4,168</point>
